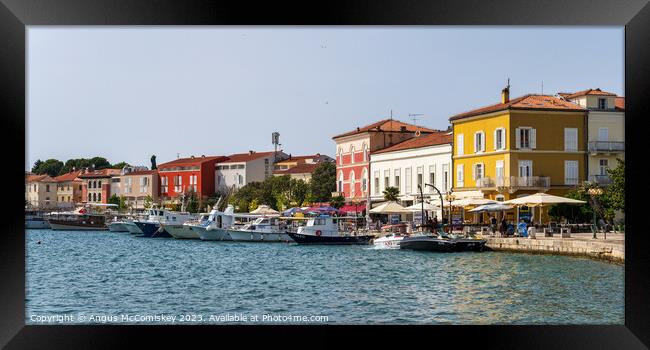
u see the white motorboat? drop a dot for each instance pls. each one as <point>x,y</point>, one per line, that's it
<point>264,229</point>
<point>215,228</point>
<point>184,230</point>
<point>390,241</point>
<point>117,225</point>
<point>325,230</point>
<point>151,227</point>
<point>35,219</point>
<point>131,227</point>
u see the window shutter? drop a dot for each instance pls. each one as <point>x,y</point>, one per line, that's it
<point>475,149</point>
<point>567,142</point>
<point>474,171</point>
<point>495,139</point>
<point>483,141</point>
<point>460,148</point>
<point>533,138</point>
<point>518,138</point>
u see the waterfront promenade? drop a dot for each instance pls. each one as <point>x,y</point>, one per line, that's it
<point>579,244</point>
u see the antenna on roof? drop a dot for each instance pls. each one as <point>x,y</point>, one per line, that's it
<point>178,155</point>
<point>542,87</point>
<point>413,117</point>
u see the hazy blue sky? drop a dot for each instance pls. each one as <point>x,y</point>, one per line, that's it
<point>126,93</point>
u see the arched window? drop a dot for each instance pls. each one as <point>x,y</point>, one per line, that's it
<point>352,181</point>
<point>351,154</point>
<point>340,156</point>
<point>364,180</point>
<point>340,181</point>
<point>365,152</point>
<point>89,197</point>
<point>94,197</point>
<point>100,184</point>
<point>99,197</point>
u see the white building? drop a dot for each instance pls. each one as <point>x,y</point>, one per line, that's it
<point>606,131</point>
<point>243,168</point>
<point>425,159</point>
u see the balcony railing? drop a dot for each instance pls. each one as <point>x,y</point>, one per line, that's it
<point>602,180</point>
<point>515,182</point>
<point>606,146</point>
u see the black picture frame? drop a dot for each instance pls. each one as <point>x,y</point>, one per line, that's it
<point>15,15</point>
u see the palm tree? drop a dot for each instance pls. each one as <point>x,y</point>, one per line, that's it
<point>337,201</point>
<point>391,193</point>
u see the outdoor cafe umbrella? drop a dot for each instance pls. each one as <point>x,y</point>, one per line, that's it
<point>390,208</point>
<point>292,211</point>
<point>264,209</point>
<point>491,208</point>
<point>541,200</point>
<point>427,207</point>
<point>468,202</point>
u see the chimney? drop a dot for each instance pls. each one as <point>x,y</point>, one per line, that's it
<point>505,93</point>
<point>251,152</point>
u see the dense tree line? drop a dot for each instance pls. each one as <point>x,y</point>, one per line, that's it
<point>55,167</point>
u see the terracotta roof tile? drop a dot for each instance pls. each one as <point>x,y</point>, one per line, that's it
<point>598,92</point>
<point>191,161</point>
<point>142,172</point>
<point>439,138</point>
<point>620,103</point>
<point>246,157</point>
<point>35,178</point>
<point>100,173</point>
<point>68,176</point>
<point>391,125</point>
<point>298,169</point>
<point>531,101</point>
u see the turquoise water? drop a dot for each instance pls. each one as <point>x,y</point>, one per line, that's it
<point>105,277</point>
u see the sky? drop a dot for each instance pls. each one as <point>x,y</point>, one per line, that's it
<point>126,93</point>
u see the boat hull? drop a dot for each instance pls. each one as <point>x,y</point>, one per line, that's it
<point>181,232</point>
<point>469,245</point>
<point>333,240</point>
<point>213,234</point>
<point>251,236</point>
<point>75,226</point>
<point>117,227</point>
<point>426,243</point>
<point>387,243</point>
<point>152,230</point>
<point>132,228</point>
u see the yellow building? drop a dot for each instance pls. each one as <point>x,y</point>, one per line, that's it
<point>533,143</point>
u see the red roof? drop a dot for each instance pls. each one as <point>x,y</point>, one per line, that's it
<point>71,176</point>
<point>598,92</point>
<point>191,161</point>
<point>303,168</point>
<point>36,178</point>
<point>100,173</point>
<point>386,125</point>
<point>246,157</point>
<point>530,102</point>
<point>620,103</point>
<point>438,138</point>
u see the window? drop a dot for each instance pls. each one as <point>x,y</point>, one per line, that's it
<point>94,197</point>
<point>47,188</point>
<point>460,145</point>
<point>525,168</point>
<point>386,178</point>
<point>571,172</point>
<point>499,139</point>
<point>376,184</point>
<point>164,184</point>
<point>364,181</point>
<point>341,181</point>
<point>478,171</point>
<point>602,103</point>
<point>571,139</point>
<point>99,184</point>
<point>603,134</point>
<point>407,175</point>
<point>352,183</point>
<point>479,142</point>
<point>420,177</point>
<point>99,197</point>
<point>396,175</point>
<point>526,138</point>
<point>341,156</point>
<point>499,173</point>
<point>445,177</point>
<point>351,154</point>
<point>460,175</point>
<point>89,197</point>
<point>79,187</point>
<point>432,176</point>
<point>603,166</point>
<point>365,153</point>
<point>240,177</point>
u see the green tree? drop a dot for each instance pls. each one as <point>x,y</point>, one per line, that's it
<point>323,182</point>
<point>153,162</point>
<point>192,203</point>
<point>391,193</point>
<point>148,202</point>
<point>337,201</point>
<point>121,205</point>
<point>114,199</point>
<point>615,193</point>
<point>51,167</point>
<point>119,165</point>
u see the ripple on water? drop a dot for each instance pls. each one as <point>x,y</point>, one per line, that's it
<point>101,272</point>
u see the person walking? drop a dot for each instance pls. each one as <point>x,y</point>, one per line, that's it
<point>504,227</point>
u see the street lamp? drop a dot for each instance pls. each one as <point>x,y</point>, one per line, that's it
<point>594,192</point>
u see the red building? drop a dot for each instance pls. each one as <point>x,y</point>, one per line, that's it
<point>193,174</point>
<point>353,151</point>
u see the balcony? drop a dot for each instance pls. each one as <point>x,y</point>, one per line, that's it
<point>601,180</point>
<point>513,183</point>
<point>606,147</point>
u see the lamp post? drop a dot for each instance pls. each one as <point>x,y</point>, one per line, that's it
<point>594,192</point>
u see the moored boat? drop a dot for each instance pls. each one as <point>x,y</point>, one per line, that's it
<point>216,228</point>
<point>264,229</point>
<point>469,244</point>
<point>86,218</point>
<point>184,230</point>
<point>390,241</point>
<point>117,225</point>
<point>325,230</point>
<point>151,227</point>
<point>35,219</point>
<point>428,243</point>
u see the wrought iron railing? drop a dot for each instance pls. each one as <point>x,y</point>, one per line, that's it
<point>606,146</point>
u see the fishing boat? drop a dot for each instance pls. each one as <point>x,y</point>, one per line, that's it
<point>216,228</point>
<point>35,219</point>
<point>325,230</point>
<point>151,227</point>
<point>88,217</point>
<point>263,229</point>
